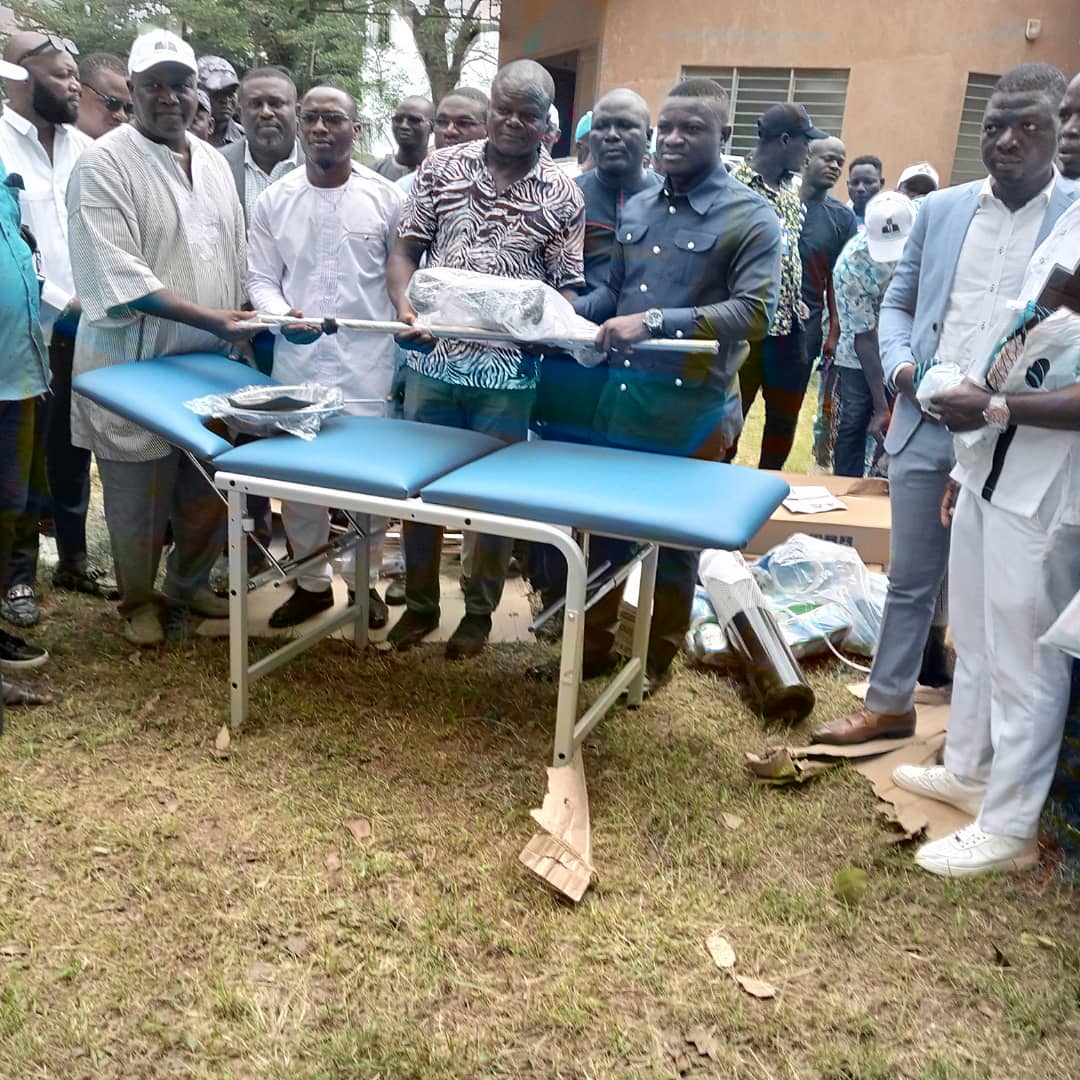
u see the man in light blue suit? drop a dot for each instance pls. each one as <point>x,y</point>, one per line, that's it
<point>964,261</point>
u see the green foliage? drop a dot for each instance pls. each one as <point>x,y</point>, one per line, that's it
<point>311,44</point>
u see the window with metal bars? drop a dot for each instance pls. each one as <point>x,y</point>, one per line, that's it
<point>822,90</point>
<point>967,161</point>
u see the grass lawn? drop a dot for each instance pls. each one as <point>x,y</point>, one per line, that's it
<point>165,912</point>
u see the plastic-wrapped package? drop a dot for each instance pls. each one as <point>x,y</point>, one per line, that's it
<point>270,410</point>
<point>707,646</point>
<point>1065,633</point>
<point>526,310</point>
<point>805,570</point>
<point>937,380</point>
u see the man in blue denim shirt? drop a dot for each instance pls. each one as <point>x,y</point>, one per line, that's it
<point>696,258</point>
<point>24,376</point>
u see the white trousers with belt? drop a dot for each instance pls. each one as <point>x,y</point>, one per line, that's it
<point>308,529</point>
<point>1009,579</point>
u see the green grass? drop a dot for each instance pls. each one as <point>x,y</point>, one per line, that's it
<point>186,916</point>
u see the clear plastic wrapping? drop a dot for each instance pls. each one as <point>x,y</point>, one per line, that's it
<point>525,310</point>
<point>270,410</point>
<point>820,584</point>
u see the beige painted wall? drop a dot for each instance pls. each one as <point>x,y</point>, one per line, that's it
<point>909,59</point>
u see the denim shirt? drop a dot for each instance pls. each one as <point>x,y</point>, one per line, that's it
<point>24,369</point>
<point>709,259</point>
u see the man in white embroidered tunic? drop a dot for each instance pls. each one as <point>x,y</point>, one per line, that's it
<point>319,241</point>
<point>157,251</point>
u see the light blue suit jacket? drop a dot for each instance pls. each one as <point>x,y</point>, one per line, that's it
<point>913,310</point>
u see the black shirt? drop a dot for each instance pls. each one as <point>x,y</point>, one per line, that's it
<point>603,205</point>
<point>827,227</point>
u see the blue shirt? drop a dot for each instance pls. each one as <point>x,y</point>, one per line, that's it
<point>709,259</point>
<point>24,370</point>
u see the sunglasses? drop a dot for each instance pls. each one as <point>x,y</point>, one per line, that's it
<point>57,44</point>
<point>332,120</point>
<point>112,104</point>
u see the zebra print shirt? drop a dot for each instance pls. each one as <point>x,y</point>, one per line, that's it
<point>136,224</point>
<point>534,229</point>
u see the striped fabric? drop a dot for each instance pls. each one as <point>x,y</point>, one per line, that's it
<point>136,224</point>
<point>534,229</point>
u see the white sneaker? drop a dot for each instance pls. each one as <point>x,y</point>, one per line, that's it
<point>936,782</point>
<point>971,851</point>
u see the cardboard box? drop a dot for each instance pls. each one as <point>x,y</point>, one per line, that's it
<point>865,524</point>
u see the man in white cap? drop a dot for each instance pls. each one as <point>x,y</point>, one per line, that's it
<point>158,250</point>
<point>919,179</point>
<point>222,85</point>
<point>24,376</point>
<point>860,278</point>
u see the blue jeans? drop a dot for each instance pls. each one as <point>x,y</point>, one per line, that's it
<point>856,411</point>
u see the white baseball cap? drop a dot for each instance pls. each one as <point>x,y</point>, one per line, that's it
<point>12,71</point>
<point>889,220</point>
<point>923,168</point>
<point>160,47</point>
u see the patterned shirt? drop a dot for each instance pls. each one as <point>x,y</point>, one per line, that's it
<point>859,284</point>
<point>790,212</point>
<point>534,229</point>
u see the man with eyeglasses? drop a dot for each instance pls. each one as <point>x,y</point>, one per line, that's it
<point>461,117</point>
<point>411,127</point>
<point>498,206</point>
<point>38,140</point>
<point>318,245</point>
<point>158,248</point>
<point>106,99</point>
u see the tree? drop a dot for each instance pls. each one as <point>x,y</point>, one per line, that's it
<point>293,34</point>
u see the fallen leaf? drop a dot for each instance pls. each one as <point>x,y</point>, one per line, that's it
<point>15,948</point>
<point>222,743</point>
<point>1037,939</point>
<point>732,821</point>
<point>721,951</point>
<point>360,827</point>
<point>297,946</point>
<point>756,987</point>
<point>333,862</point>
<point>260,972</point>
<point>100,851</point>
<point>849,884</point>
<point>147,707</point>
<point>988,1009</point>
<point>704,1041</point>
<point>777,767</point>
<point>172,806</point>
<point>1000,958</point>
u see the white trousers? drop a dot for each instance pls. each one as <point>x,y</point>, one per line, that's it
<point>308,528</point>
<point>1009,579</point>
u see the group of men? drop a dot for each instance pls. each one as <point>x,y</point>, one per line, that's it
<point>153,240</point>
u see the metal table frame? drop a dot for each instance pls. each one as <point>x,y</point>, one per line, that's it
<point>570,728</point>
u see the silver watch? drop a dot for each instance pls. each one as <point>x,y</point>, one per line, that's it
<point>996,413</point>
<point>654,322</point>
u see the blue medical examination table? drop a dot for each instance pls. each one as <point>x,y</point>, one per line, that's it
<point>549,492</point>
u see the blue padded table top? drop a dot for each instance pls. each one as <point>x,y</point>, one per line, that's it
<point>365,454</point>
<point>669,500</point>
<point>151,393</point>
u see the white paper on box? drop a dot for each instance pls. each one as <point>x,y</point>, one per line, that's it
<point>811,499</point>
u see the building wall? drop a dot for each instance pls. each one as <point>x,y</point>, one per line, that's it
<point>908,60</point>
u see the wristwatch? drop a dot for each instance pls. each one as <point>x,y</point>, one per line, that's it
<point>654,322</point>
<point>996,413</point>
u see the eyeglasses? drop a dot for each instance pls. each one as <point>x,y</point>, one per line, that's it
<point>334,121</point>
<point>442,123</point>
<point>57,44</point>
<point>112,104</point>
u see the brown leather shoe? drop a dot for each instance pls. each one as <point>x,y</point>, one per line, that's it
<point>864,724</point>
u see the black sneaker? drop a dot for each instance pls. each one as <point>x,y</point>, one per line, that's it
<point>411,629</point>
<point>301,606</point>
<point>19,655</point>
<point>378,613</point>
<point>469,638</point>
